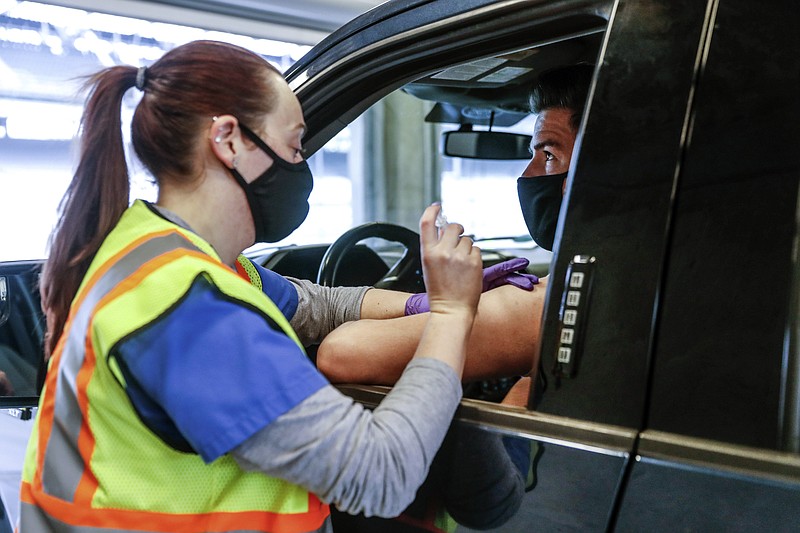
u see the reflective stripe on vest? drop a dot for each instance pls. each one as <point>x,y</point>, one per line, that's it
<point>60,489</point>
<point>248,271</point>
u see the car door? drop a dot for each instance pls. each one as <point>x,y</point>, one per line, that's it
<point>585,451</point>
<point>721,431</point>
<point>608,400</point>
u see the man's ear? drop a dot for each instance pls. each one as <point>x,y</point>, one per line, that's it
<point>223,136</point>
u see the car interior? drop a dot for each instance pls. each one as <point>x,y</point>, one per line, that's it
<point>21,326</point>
<point>473,104</point>
<point>468,101</point>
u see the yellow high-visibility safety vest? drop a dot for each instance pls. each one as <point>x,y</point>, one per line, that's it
<point>91,464</point>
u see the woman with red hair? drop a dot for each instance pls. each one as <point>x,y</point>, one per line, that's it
<point>178,395</point>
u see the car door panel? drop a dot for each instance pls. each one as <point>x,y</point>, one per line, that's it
<point>574,491</point>
<point>687,484</point>
<point>722,360</point>
<point>719,446</point>
<point>578,471</point>
<point>617,208</point>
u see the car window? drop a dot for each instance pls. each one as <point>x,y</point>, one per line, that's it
<point>477,192</point>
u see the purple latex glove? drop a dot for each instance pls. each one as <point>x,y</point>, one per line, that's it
<point>504,273</point>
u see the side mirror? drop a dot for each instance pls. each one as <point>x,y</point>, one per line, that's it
<point>486,145</point>
<point>21,334</point>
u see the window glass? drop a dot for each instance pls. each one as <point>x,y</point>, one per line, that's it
<point>44,53</point>
<point>482,194</point>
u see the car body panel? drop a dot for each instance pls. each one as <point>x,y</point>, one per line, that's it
<point>618,202</point>
<point>677,496</point>
<point>734,238</point>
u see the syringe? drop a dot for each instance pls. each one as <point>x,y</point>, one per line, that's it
<point>441,220</point>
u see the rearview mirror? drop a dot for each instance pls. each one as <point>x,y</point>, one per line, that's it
<point>486,145</point>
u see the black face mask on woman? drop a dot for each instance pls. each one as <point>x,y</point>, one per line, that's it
<point>540,200</point>
<point>278,198</point>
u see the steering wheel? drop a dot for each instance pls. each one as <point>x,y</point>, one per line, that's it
<point>404,275</point>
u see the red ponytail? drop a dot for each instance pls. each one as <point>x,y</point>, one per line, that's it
<point>182,91</point>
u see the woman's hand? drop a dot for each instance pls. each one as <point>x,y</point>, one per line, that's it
<point>451,265</point>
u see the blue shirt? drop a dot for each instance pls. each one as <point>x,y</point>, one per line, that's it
<point>212,372</point>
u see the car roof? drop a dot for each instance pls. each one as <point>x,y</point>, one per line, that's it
<point>430,48</point>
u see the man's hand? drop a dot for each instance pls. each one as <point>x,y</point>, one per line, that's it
<point>504,273</point>
<point>507,273</point>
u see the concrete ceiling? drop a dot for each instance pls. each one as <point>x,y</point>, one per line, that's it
<point>300,21</point>
<point>323,12</point>
<point>325,15</point>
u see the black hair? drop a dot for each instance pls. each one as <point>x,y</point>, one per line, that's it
<point>564,87</point>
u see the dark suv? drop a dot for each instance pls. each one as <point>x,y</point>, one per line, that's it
<point>678,408</point>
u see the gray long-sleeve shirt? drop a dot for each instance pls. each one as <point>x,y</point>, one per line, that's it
<point>320,309</point>
<point>361,461</point>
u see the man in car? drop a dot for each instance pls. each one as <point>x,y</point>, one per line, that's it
<point>508,345</point>
<point>478,479</point>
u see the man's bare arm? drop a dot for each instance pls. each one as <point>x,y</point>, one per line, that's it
<point>504,341</point>
<point>382,304</point>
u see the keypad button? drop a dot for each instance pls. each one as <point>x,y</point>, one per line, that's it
<point>573,298</point>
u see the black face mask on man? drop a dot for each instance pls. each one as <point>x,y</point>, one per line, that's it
<point>540,199</point>
<point>278,198</point>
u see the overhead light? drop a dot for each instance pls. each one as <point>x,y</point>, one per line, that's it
<point>40,121</point>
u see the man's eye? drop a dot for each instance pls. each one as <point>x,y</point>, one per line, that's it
<point>548,156</point>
